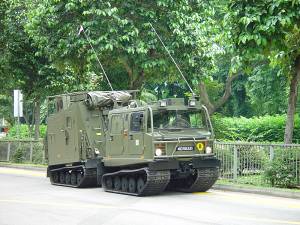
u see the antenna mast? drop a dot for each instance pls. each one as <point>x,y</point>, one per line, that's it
<point>172,59</point>
<point>89,40</point>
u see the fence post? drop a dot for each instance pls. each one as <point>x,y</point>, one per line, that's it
<point>8,152</point>
<point>271,150</point>
<point>235,163</point>
<point>31,149</point>
<point>43,160</point>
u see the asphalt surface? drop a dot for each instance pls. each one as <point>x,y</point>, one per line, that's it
<point>27,198</point>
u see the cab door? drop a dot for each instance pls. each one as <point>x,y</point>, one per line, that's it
<point>115,139</point>
<point>136,133</point>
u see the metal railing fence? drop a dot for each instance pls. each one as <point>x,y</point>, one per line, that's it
<point>245,163</point>
<point>259,164</point>
<point>27,151</point>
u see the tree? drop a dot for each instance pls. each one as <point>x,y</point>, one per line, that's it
<point>121,33</point>
<point>21,67</point>
<point>270,28</point>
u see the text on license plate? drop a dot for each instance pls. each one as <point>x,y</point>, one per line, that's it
<point>185,148</point>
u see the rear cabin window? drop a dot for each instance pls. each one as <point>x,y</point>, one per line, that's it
<point>136,121</point>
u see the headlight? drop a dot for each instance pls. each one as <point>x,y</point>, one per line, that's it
<point>208,150</point>
<point>192,103</point>
<point>163,103</point>
<point>97,152</point>
<point>158,152</point>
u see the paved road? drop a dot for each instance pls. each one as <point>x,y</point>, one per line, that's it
<point>27,198</point>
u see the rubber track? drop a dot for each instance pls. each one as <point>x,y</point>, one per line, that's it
<point>206,177</point>
<point>89,179</point>
<point>156,181</point>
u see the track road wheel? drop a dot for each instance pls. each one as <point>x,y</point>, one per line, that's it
<point>55,177</point>
<point>62,178</point>
<point>109,183</point>
<point>68,178</point>
<point>124,182</point>
<point>117,183</point>
<point>140,185</point>
<point>79,177</point>
<point>131,185</point>
<point>73,178</point>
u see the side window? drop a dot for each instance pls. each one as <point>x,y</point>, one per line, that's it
<point>51,107</point>
<point>136,121</point>
<point>59,104</point>
<point>116,124</point>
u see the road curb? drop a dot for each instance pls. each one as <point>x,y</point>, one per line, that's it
<point>25,167</point>
<point>270,192</point>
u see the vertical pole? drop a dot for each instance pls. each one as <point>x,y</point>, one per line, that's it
<point>31,149</point>
<point>235,163</point>
<point>271,151</point>
<point>43,160</point>
<point>18,118</point>
<point>8,152</point>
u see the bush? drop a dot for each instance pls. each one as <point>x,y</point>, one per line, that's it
<point>256,129</point>
<point>19,155</point>
<point>37,154</point>
<point>282,171</point>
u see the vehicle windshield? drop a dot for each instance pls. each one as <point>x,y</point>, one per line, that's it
<point>179,119</point>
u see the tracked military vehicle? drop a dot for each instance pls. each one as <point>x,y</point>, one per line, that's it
<point>113,140</point>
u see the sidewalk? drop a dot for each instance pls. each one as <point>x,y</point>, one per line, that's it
<point>24,166</point>
<point>278,192</point>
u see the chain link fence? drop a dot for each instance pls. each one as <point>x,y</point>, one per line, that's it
<point>259,164</point>
<point>22,151</point>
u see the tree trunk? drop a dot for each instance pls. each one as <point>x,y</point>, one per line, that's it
<point>37,118</point>
<point>139,80</point>
<point>289,126</point>
<point>212,107</point>
<point>29,121</point>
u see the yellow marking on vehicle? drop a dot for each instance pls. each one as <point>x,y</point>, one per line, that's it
<point>14,171</point>
<point>200,146</point>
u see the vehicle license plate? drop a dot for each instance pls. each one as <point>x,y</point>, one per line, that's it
<point>185,148</point>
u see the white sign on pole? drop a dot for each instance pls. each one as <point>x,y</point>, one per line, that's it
<point>18,103</point>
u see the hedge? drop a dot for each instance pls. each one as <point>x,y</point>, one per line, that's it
<point>256,129</point>
<point>24,131</point>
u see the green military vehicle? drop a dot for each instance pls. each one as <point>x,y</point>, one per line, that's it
<point>110,139</point>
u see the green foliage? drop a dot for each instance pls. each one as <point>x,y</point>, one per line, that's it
<point>257,129</point>
<point>266,27</point>
<point>282,171</point>
<point>18,156</point>
<point>24,131</point>
<point>121,33</point>
<point>22,152</point>
<point>267,90</point>
<point>37,153</point>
